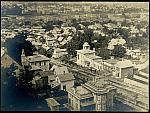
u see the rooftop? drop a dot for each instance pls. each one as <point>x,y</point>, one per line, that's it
<point>52,102</point>
<point>145,70</point>
<point>59,69</point>
<point>81,92</point>
<point>85,51</point>
<point>124,64</point>
<point>37,57</point>
<point>99,86</point>
<point>95,57</point>
<point>66,77</point>
<point>111,61</point>
<point>60,50</point>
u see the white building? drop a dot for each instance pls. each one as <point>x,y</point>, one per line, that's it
<point>87,57</point>
<point>119,68</point>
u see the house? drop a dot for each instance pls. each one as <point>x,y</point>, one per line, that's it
<point>36,60</point>
<point>135,54</point>
<point>66,81</point>
<point>58,70</point>
<point>59,53</point>
<point>94,95</point>
<point>82,55</point>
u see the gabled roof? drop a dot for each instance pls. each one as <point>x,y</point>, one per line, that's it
<point>66,77</point>
<point>59,70</point>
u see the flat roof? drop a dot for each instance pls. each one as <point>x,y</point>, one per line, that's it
<point>111,61</point>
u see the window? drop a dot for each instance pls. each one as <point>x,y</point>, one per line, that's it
<point>44,63</point>
<point>40,63</point>
<point>64,87</point>
<point>117,74</point>
<point>78,56</point>
<point>35,63</point>
<point>69,101</point>
<point>76,105</point>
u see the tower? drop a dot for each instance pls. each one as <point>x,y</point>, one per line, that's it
<point>86,46</point>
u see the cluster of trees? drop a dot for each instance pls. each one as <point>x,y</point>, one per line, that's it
<point>45,52</point>
<point>50,24</point>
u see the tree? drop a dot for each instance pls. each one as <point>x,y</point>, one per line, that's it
<point>45,52</point>
<point>104,53</point>
<point>29,48</point>
<point>25,77</point>
<point>119,51</point>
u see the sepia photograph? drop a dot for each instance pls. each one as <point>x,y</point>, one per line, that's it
<point>74,56</point>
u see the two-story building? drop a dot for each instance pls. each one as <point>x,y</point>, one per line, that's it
<point>36,60</point>
<point>87,57</point>
<point>94,95</point>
